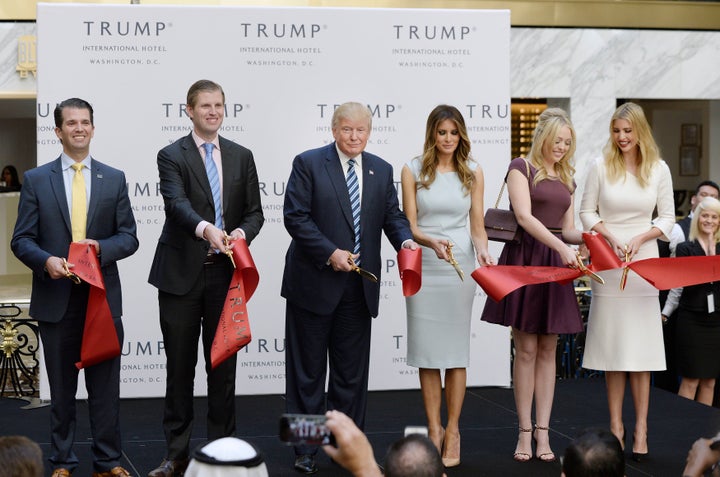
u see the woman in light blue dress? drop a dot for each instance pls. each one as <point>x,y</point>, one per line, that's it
<point>441,190</point>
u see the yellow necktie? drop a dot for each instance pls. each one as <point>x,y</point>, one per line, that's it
<point>78,215</point>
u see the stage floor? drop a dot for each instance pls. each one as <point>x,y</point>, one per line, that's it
<point>488,429</point>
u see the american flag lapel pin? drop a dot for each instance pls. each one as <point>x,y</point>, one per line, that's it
<point>371,172</point>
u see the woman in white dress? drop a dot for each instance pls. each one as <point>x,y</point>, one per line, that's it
<point>624,334</point>
<point>440,190</point>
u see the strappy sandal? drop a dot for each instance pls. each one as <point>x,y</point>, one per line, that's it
<point>545,456</point>
<point>522,456</point>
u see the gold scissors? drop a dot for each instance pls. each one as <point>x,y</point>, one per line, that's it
<point>228,252</point>
<point>363,273</point>
<point>623,278</point>
<point>587,271</point>
<point>75,279</point>
<point>454,262</point>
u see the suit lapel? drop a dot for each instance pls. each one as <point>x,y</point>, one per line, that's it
<point>229,163</point>
<point>96,190</point>
<point>58,187</point>
<point>196,165</point>
<point>337,179</point>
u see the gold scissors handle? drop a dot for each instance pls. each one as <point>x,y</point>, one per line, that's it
<point>454,262</point>
<point>75,279</point>
<point>363,273</point>
<point>587,271</point>
<point>228,252</point>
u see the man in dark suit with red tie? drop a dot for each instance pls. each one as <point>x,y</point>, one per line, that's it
<point>212,198</point>
<point>338,201</point>
<point>53,213</point>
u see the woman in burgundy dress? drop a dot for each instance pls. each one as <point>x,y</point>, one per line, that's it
<point>541,196</point>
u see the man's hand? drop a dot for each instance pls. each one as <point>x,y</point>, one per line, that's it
<point>352,449</point>
<point>339,260</point>
<point>216,237</point>
<point>410,244</point>
<point>92,242</point>
<point>55,266</point>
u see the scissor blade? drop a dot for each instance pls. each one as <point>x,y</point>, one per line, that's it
<point>365,274</point>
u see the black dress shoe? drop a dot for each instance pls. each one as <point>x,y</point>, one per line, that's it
<point>169,468</point>
<point>638,457</point>
<point>305,464</point>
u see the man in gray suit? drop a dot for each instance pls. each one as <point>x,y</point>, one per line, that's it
<point>43,233</point>
<point>212,198</point>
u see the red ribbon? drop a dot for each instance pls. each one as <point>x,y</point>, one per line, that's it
<point>100,340</point>
<point>233,331</point>
<point>499,280</point>
<point>662,273</point>
<point>410,267</point>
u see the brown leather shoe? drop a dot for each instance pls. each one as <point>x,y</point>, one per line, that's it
<point>60,472</point>
<point>170,468</point>
<point>114,472</point>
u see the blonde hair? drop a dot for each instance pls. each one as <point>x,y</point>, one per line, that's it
<point>461,156</point>
<point>351,111</point>
<point>708,203</point>
<point>547,129</point>
<point>648,151</point>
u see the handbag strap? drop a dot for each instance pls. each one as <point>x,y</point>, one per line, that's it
<point>502,188</point>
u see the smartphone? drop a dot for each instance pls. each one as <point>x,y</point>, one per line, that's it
<point>308,429</point>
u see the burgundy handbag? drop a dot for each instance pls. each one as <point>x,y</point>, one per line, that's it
<point>501,224</point>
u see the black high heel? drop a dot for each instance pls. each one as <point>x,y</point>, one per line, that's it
<point>638,456</point>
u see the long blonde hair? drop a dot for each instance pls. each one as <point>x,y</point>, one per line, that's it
<point>549,123</point>
<point>648,151</point>
<point>461,156</point>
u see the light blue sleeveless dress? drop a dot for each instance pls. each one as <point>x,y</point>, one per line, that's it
<point>438,316</point>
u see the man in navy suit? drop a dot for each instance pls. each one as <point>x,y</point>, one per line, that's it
<point>329,308</point>
<point>41,240</point>
<point>190,271</point>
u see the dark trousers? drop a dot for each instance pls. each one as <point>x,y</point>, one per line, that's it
<point>183,320</point>
<point>61,347</point>
<point>342,339</point>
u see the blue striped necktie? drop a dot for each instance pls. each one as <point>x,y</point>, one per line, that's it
<point>214,180</point>
<point>354,190</point>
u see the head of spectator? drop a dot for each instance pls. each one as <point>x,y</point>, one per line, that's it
<point>413,456</point>
<point>226,457</point>
<point>706,214</point>
<point>20,457</point>
<point>594,453</point>
<point>704,189</point>
<point>10,178</point>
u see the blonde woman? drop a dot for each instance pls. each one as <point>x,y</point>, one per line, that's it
<point>541,191</point>
<point>442,189</point>
<point>624,335</point>
<point>698,320</point>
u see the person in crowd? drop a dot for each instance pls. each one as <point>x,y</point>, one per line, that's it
<point>226,457</point>
<point>541,189</point>
<point>10,179</point>
<point>668,379</point>
<point>594,453</point>
<point>440,190</point>
<point>698,318</point>
<point>76,198</point>
<point>212,198</point>
<point>20,457</point>
<point>703,457</point>
<point>414,455</point>
<point>624,334</point>
<point>338,200</point>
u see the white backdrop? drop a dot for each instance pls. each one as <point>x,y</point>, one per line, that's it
<point>283,71</point>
